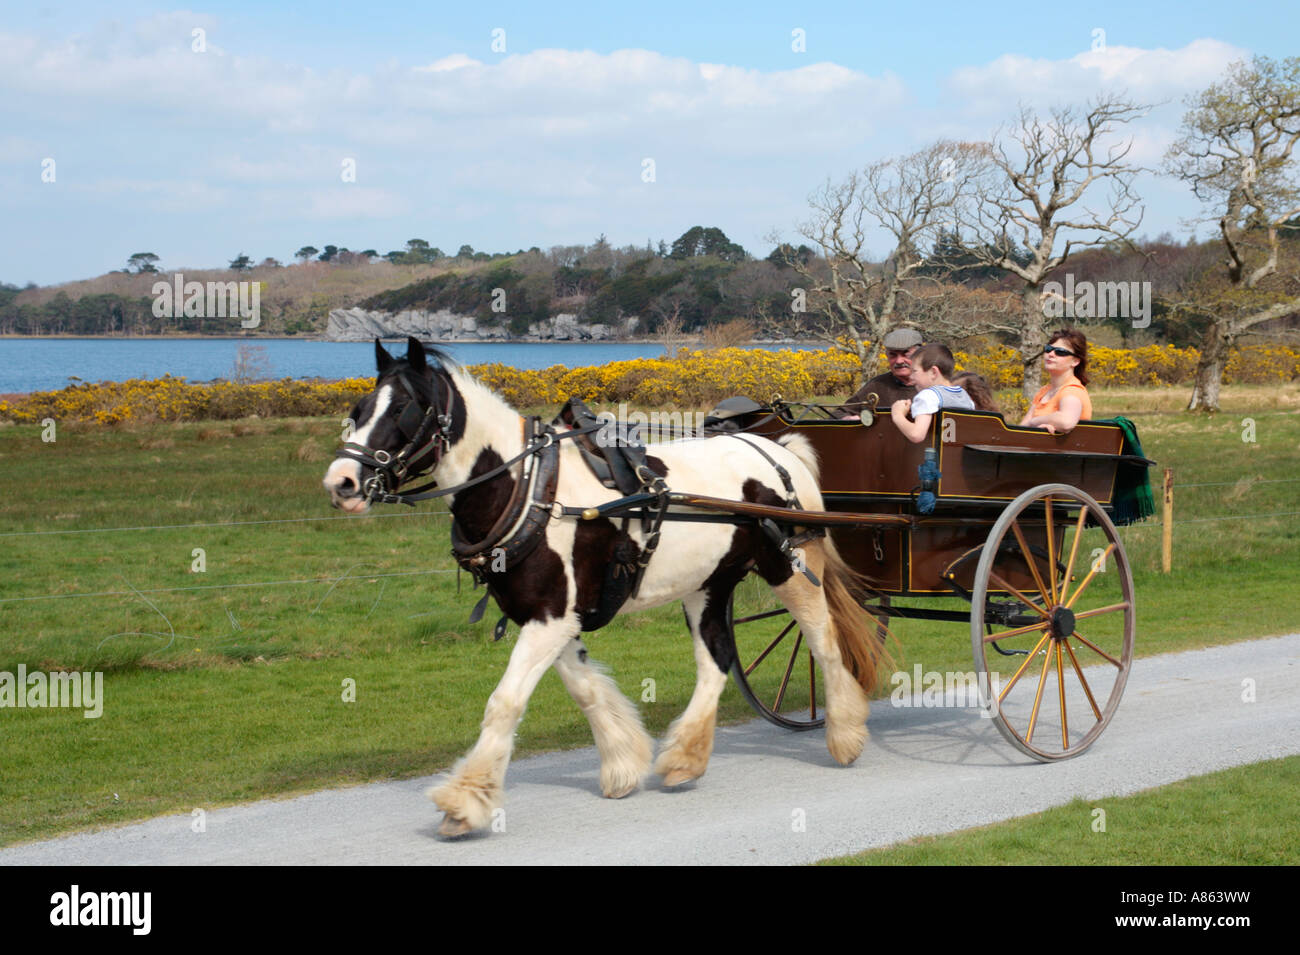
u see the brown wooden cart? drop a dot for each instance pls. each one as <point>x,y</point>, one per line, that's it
<point>1018,526</point>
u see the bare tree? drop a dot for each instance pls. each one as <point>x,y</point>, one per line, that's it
<point>849,300</point>
<point>1236,154</point>
<point>670,326</point>
<point>1045,178</point>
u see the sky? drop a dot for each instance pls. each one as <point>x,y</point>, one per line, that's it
<point>258,128</point>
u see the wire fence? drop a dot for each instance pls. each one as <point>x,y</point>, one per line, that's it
<point>167,527</point>
<point>263,583</point>
<point>334,581</point>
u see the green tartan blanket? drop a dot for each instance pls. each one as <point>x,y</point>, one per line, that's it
<point>1132,500</point>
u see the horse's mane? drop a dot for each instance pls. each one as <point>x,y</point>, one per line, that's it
<point>467,383</point>
<point>442,358</point>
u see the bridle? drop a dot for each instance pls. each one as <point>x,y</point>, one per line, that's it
<point>426,442</point>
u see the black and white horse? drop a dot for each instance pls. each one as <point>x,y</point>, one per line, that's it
<point>473,431</point>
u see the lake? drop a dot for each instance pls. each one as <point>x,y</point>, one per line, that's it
<point>44,364</point>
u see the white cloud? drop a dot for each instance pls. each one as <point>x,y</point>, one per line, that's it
<point>1146,75</point>
<point>523,146</point>
<point>352,202</point>
<point>457,61</point>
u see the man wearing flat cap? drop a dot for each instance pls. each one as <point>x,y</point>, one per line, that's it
<point>896,384</point>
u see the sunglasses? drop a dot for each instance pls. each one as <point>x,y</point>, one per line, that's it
<point>1056,350</point>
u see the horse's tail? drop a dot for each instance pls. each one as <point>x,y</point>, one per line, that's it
<point>802,449</point>
<point>860,635</point>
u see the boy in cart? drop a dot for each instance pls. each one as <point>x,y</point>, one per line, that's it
<point>932,366</point>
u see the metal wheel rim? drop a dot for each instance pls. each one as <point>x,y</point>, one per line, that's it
<point>782,653</point>
<point>1060,492</point>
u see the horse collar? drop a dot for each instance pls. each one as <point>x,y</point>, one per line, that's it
<point>519,527</point>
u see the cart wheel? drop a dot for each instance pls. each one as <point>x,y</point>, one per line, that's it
<point>1053,656</point>
<point>774,668</point>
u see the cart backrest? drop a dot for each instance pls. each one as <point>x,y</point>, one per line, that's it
<point>981,458</point>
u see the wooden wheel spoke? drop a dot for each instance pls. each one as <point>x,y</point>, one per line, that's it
<point>1096,711</point>
<point>770,673</point>
<point>812,686</point>
<point>1024,666</point>
<point>789,668</point>
<point>1032,562</point>
<point>1096,649</point>
<point>760,616</point>
<point>1101,610</point>
<point>1074,549</point>
<point>1003,585</point>
<point>1091,573</point>
<point>1051,551</point>
<point>1060,687</point>
<point>1014,633</point>
<point>1038,697</point>
<point>771,646</point>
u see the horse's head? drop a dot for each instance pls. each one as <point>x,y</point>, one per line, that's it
<point>398,432</point>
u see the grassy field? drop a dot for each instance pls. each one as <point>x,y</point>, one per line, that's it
<point>1233,817</point>
<point>200,567</point>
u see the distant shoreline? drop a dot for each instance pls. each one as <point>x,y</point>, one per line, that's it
<point>395,338</point>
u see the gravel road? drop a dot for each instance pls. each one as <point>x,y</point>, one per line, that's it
<point>770,796</point>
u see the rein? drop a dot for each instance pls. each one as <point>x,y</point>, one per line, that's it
<point>426,435</point>
<point>427,432</point>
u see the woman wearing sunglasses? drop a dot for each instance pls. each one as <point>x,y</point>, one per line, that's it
<point>1063,402</point>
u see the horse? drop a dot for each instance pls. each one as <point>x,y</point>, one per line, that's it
<point>426,415</point>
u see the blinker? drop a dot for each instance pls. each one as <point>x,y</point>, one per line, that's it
<point>409,420</point>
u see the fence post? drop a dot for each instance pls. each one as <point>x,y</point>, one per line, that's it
<point>1167,542</point>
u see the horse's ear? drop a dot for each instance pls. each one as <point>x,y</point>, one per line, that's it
<point>415,355</point>
<point>382,359</point>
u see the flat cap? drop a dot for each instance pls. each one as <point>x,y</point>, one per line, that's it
<point>902,338</point>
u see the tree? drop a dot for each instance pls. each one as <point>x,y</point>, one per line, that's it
<point>328,254</point>
<point>418,251</point>
<point>305,253</point>
<point>241,263</point>
<point>851,301</point>
<point>785,252</point>
<point>1044,180</point>
<point>142,262</point>
<point>697,241</point>
<point>598,255</point>
<point>1236,153</point>
<point>269,263</point>
<point>466,251</point>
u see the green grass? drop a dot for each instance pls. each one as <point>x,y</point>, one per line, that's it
<point>225,685</point>
<point>1234,817</point>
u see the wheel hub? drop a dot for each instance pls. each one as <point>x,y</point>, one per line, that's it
<point>1062,622</point>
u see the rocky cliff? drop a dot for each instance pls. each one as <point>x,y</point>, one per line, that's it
<point>357,325</point>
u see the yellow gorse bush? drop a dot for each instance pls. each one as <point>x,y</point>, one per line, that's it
<point>692,378</point>
<point>174,399</point>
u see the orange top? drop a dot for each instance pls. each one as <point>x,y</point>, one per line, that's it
<point>1053,405</point>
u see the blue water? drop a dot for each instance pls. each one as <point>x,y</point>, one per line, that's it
<point>43,364</point>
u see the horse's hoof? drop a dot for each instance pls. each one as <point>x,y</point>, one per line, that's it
<point>453,827</point>
<point>679,776</point>
<point>621,791</point>
<point>846,745</point>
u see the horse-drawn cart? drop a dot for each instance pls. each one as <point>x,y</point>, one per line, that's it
<point>562,524</point>
<point>1017,523</point>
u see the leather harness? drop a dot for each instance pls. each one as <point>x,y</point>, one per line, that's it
<point>618,459</point>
